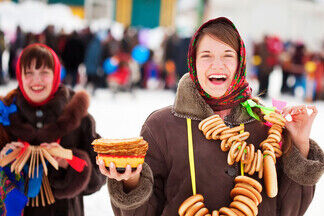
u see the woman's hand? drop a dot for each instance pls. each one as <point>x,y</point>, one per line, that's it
<point>8,146</point>
<point>300,125</point>
<point>129,178</point>
<point>61,161</point>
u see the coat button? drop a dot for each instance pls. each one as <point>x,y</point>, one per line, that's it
<point>39,113</point>
<point>39,124</point>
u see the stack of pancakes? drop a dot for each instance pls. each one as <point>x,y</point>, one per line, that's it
<point>122,152</point>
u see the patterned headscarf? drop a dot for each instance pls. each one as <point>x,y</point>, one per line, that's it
<point>238,90</point>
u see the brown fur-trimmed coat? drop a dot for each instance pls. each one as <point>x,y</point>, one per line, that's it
<point>64,117</point>
<point>167,157</point>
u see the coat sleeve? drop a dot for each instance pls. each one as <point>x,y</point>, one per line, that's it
<point>297,180</point>
<point>148,197</point>
<point>68,183</point>
<point>97,180</point>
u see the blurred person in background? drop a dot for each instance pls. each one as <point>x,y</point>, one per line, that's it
<point>73,56</point>
<point>297,66</point>
<point>268,60</point>
<point>319,75</point>
<point>47,114</point>
<point>2,49</point>
<point>285,61</point>
<point>216,84</point>
<point>151,75</point>
<point>16,46</point>
<point>92,60</point>
<point>171,46</point>
<point>120,80</point>
<point>50,38</point>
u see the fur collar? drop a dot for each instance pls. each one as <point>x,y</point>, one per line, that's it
<point>62,115</point>
<point>190,104</point>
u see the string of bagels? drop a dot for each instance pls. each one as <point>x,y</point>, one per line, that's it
<point>246,193</point>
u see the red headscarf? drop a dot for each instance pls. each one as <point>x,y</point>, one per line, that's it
<point>239,90</point>
<point>56,80</point>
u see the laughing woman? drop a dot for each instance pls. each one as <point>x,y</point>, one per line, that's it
<point>43,112</point>
<point>181,161</point>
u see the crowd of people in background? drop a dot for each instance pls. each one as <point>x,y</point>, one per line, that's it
<point>302,70</point>
<point>98,60</point>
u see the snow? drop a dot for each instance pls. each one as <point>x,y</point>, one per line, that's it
<point>34,16</point>
<point>122,115</point>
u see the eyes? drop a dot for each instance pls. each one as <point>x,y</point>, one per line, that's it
<point>209,55</point>
<point>42,72</point>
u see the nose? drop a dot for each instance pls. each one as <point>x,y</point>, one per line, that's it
<point>37,77</point>
<point>217,64</point>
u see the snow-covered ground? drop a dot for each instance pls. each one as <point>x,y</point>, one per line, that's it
<point>122,115</point>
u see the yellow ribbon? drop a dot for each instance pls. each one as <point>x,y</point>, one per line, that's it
<point>242,168</point>
<point>191,157</point>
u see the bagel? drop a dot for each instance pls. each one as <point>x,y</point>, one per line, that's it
<point>238,212</point>
<point>224,147</point>
<point>227,136</point>
<point>239,156</point>
<point>257,198</point>
<point>227,211</point>
<point>278,116</point>
<point>245,156</point>
<point>260,174</point>
<point>245,179</point>
<point>205,120</point>
<point>275,136</point>
<point>192,210</point>
<point>243,191</point>
<point>259,161</point>
<point>270,153</point>
<point>209,125</point>
<point>253,167</point>
<point>242,207</point>
<point>202,212</point>
<point>234,129</point>
<point>247,201</point>
<point>215,213</point>
<point>270,176</point>
<point>219,131</point>
<point>189,202</point>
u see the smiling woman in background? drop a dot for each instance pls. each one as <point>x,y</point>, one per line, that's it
<point>216,84</point>
<point>43,112</point>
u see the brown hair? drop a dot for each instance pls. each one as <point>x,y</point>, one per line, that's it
<point>224,32</point>
<point>42,56</point>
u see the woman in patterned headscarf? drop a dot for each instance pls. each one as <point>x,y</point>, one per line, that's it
<point>215,84</point>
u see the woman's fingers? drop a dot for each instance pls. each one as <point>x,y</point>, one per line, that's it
<point>18,144</point>
<point>314,111</point>
<point>138,169</point>
<point>45,145</point>
<point>50,145</point>
<point>103,169</point>
<point>286,111</point>
<point>113,174</point>
<point>127,174</point>
<point>113,171</point>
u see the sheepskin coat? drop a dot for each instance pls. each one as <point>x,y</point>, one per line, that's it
<point>167,158</point>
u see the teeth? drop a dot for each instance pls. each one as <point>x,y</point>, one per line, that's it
<point>37,88</point>
<point>217,76</point>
